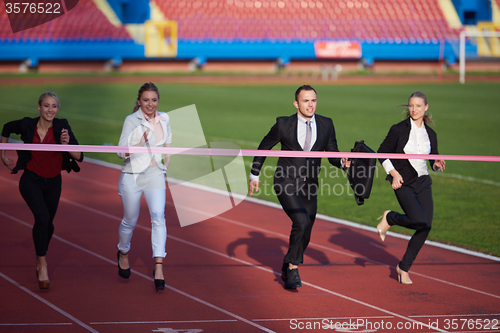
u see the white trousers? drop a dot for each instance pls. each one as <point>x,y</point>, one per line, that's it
<point>131,187</point>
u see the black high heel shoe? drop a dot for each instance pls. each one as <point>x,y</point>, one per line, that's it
<point>159,284</point>
<point>124,273</point>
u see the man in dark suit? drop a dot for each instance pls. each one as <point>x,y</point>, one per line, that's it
<point>296,178</point>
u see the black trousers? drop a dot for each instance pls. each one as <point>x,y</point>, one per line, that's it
<point>416,201</point>
<point>299,201</point>
<point>42,196</point>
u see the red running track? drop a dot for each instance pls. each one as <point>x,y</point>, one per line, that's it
<point>222,274</point>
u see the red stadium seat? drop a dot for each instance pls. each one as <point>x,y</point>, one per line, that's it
<point>401,19</point>
<point>85,21</point>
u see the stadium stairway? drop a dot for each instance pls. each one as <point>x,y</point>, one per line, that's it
<point>496,12</point>
<point>450,14</point>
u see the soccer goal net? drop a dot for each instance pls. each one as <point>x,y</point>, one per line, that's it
<point>487,40</point>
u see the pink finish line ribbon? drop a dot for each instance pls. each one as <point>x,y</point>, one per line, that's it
<point>236,152</point>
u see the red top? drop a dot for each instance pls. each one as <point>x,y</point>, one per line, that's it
<point>47,164</point>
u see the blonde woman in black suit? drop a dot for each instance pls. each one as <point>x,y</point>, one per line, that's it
<point>410,178</point>
<point>40,183</point>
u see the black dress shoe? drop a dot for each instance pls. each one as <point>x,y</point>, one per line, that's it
<point>124,273</point>
<point>284,270</point>
<point>284,275</point>
<point>292,280</point>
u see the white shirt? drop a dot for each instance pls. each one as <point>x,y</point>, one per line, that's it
<point>133,128</point>
<point>418,143</point>
<point>301,135</point>
<point>302,128</point>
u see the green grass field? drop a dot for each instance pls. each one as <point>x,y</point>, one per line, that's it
<point>467,121</point>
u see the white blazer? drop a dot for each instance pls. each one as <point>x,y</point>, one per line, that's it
<point>133,128</point>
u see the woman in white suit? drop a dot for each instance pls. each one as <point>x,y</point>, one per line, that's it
<point>144,174</point>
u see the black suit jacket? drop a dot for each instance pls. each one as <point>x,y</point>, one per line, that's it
<point>289,169</point>
<point>396,141</point>
<point>26,128</point>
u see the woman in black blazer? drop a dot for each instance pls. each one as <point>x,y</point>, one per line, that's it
<point>410,179</point>
<point>40,184</point>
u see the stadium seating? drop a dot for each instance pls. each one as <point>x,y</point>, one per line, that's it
<point>246,29</point>
<point>398,20</point>
<point>84,22</point>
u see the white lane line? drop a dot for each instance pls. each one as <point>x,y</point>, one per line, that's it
<point>194,298</point>
<point>231,258</point>
<point>10,181</point>
<point>340,252</point>
<point>286,237</point>
<point>44,301</point>
<point>309,284</point>
<point>373,229</point>
<point>234,259</point>
<point>278,206</point>
<point>235,141</point>
<point>329,318</point>
<point>245,263</point>
<point>384,317</point>
<point>406,237</point>
<point>276,273</point>
<point>311,243</point>
<point>37,324</point>
<point>467,178</point>
<point>165,322</point>
<point>459,315</point>
<point>331,292</point>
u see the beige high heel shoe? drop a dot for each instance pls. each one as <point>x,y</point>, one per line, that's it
<point>383,226</point>
<point>400,279</point>
<point>42,284</point>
